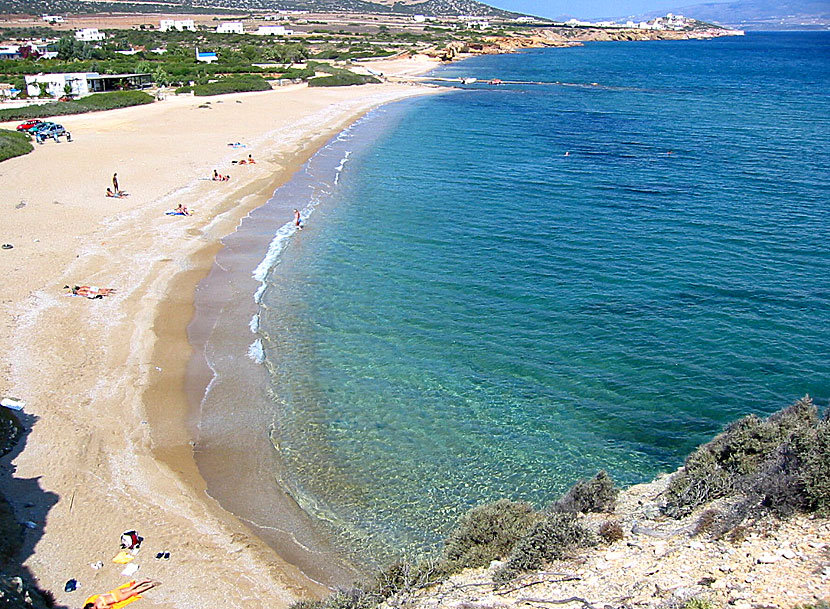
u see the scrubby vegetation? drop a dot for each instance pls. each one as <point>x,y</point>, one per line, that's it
<point>595,495</point>
<point>553,538</point>
<point>91,103</point>
<point>12,144</point>
<point>342,78</point>
<point>230,84</point>
<point>487,533</point>
<point>781,463</point>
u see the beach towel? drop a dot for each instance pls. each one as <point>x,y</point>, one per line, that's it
<point>119,604</point>
<point>123,557</point>
<point>173,213</point>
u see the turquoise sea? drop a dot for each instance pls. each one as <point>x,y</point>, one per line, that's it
<point>502,289</point>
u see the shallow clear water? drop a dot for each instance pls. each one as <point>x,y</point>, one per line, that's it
<point>508,288</point>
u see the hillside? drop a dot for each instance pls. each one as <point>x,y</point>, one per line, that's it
<point>760,14</point>
<point>407,7</point>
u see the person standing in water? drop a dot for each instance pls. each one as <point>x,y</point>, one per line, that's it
<point>297,222</point>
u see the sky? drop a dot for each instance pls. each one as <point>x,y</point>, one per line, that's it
<point>585,9</point>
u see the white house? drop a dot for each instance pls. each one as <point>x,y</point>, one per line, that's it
<point>273,30</point>
<point>419,18</point>
<point>177,24</point>
<point>55,84</point>
<point>89,34</point>
<point>52,18</point>
<point>231,27</point>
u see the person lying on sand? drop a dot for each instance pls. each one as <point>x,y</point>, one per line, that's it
<point>249,161</point>
<point>89,291</point>
<point>218,177</point>
<point>109,599</point>
<point>117,194</point>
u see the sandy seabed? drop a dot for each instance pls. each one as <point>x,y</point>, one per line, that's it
<point>108,434</point>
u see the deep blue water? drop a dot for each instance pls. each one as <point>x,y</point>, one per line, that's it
<point>511,287</point>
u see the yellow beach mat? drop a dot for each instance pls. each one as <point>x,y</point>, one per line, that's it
<point>123,557</point>
<point>119,604</point>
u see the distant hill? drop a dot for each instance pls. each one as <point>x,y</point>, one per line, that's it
<point>760,14</point>
<point>408,7</point>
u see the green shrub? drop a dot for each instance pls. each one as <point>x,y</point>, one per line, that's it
<point>595,495</point>
<point>342,79</point>
<point>813,449</point>
<point>781,463</point>
<point>353,598</point>
<point>555,537</point>
<point>12,144</point>
<point>487,533</point>
<point>699,603</point>
<point>292,73</point>
<point>233,84</point>
<point>92,103</point>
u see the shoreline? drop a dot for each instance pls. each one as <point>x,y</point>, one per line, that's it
<point>112,437</point>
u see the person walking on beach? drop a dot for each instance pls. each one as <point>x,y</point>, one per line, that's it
<point>297,222</point>
<point>115,183</point>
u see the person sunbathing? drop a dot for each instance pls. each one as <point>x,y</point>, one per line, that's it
<point>182,210</point>
<point>249,161</point>
<point>89,291</point>
<point>110,193</point>
<point>107,600</point>
<point>218,177</point>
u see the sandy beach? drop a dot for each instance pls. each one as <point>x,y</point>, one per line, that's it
<point>108,444</point>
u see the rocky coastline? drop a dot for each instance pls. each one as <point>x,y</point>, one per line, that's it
<point>569,37</point>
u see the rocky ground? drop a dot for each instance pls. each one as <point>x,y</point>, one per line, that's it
<point>661,562</point>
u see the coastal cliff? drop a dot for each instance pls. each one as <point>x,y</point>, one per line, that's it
<point>569,37</point>
<point>743,524</point>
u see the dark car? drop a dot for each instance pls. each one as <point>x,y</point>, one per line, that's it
<point>29,124</point>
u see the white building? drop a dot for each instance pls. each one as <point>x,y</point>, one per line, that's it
<point>89,34</point>
<point>52,18</point>
<point>177,24</point>
<point>419,18</point>
<point>273,30</point>
<point>231,27</point>
<point>55,84</point>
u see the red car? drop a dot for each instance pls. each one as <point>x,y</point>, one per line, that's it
<point>28,124</point>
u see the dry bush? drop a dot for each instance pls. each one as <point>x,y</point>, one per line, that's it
<point>611,531</point>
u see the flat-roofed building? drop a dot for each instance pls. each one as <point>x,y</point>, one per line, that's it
<point>231,27</point>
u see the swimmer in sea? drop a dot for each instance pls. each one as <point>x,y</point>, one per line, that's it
<point>297,222</point>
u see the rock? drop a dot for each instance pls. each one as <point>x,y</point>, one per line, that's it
<point>727,568</point>
<point>766,559</point>
<point>611,555</point>
<point>495,565</point>
<point>696,545</point>
<point>786,553</point>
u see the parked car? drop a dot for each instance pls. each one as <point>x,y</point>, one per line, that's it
<point>36,128</point>
<point>51,130</point>
<point>29,124</point>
